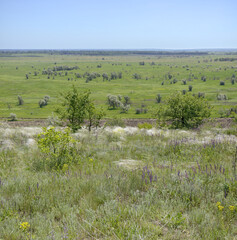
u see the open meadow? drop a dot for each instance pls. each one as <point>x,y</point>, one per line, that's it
<point>141,77</point>
<point>118,183</point>
<point>145,181</point>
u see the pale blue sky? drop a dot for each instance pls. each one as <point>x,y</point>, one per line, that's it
<point>124,24</point>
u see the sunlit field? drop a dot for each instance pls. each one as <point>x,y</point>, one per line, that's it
<point>140,77</point>
<point>121,183</point>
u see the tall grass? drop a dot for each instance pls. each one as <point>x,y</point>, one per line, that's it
<point>128,183</point>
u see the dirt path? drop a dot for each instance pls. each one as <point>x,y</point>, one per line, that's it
<point>216,122</point>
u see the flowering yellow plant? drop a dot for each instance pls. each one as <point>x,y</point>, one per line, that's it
<point>25,226</point>
<point>220,207</point>
<point>232,208</point>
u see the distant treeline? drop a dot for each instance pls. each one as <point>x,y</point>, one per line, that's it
<point>9,53</point>
<point>226,59</point>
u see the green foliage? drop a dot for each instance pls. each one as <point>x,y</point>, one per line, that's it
<point>20,100</point>
<point>144,125</point>
<point>57,147</point>
<point>77,107</point>
<point>185,111</point>
<point>13,117</point>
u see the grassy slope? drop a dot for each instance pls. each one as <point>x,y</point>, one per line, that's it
<point>13,82</point>
<point>95,199</point>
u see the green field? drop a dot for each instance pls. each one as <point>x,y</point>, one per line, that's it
<point>156,69</point>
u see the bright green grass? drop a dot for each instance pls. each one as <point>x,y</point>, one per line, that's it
<point>13,82</point>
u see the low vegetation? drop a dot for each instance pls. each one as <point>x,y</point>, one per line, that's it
<point>118,183</point>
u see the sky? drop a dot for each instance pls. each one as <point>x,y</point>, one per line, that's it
<point>118,24</point>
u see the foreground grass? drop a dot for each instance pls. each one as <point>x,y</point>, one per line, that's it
<point>125,183</point>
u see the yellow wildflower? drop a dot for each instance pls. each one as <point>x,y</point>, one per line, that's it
<point>232,208</point>
<point>91,160</point>
<point>24,226</point>
<point>218,204</point>
<point>220,207</point>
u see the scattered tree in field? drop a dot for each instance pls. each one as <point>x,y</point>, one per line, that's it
<point>222,83</point>
<point>221,97</point>
<point>13,117</point>
<point>119,102</point>
<point>120,75</point>
<point>43,102</point>
<point>27,76</point>
<point>113,101</point>
<point>20,100</point>
<point>190,88</point>
<point>184,110</point>
<point>105,76</point>
<point>76,107</point>
<point>158,98</point>
<point>136,76</point>
<point>113,75</point>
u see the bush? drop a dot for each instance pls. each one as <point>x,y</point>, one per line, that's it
<point>221,97</point>
<point>184,82</point>
<point>190,88</point>
<point>57,148</point>
<point>20,100</point>
<point>13,117</point>
<point>43,102</point>
<point>222,83</point>
<point>158,98</point>
<point>184,110</point>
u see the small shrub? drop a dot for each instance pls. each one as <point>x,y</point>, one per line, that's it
<point>175,80</point>
<point>57,148</point>
<point>20,100</point>
<point>138,111</point>
<point>190,88</point>
<point>222,83</point>
<point>124,108</point>
<point>13,117</point>
<point>184,92</point>
<point>42,103</point>
<point>158,98</point>
<point>221,97</point>
<point>184,82</point>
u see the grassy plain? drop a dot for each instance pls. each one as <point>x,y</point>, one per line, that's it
<point>124,183</point>
<point>13,81</point>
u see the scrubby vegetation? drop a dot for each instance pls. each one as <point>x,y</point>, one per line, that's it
<point>118,183</point>
<point>140,75</point>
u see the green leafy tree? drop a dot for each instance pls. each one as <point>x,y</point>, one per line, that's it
<point>76,107</point>
<point>185,111</point>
